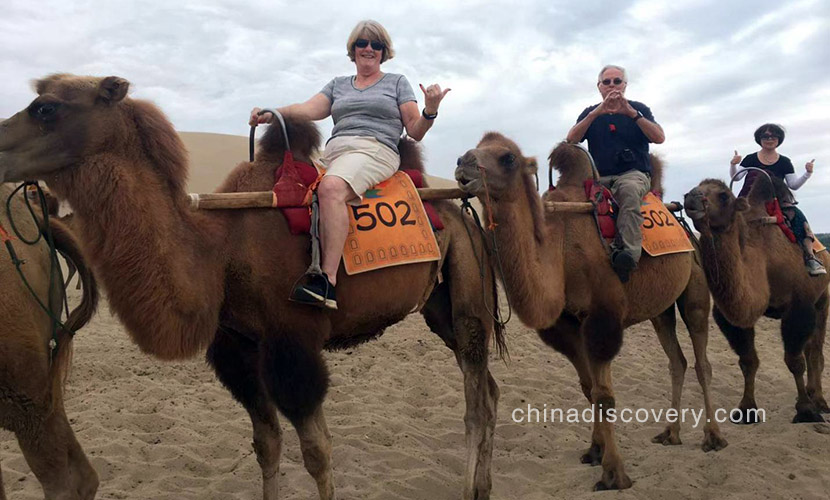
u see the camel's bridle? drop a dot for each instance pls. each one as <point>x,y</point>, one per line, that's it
<point>54,267</point>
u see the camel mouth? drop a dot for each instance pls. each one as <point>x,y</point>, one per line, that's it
<point>695,214</point>
<point>471,186</point>
<point>467,178</point>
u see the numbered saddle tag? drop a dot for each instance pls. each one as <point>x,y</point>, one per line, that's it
<point>662,234</point>
<point>818,246</point>
<point>389,228</point>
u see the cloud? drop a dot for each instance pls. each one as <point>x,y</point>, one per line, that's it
<point>710,70</point>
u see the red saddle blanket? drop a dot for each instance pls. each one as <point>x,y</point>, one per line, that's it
<point>294,181</point>
<point>774,209</point>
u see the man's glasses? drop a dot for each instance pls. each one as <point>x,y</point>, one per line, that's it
<point>361,43</point>
<point>769,136</point>
<point>608,81</point>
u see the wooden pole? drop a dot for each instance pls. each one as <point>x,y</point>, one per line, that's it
<point>569,207</point>
<point>267,199</point>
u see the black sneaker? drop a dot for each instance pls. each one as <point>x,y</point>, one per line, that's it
<point>316,290</point>
<point>623,263</point>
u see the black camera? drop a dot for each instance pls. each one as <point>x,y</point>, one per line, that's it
<point>625,156</point>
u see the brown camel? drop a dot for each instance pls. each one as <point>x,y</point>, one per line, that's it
<point>31,388</point>
<point>559,278</point>
<point>754,270</point>
<point>181,281</point>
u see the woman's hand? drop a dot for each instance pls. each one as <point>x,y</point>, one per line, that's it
<point>432,97</point>
<point>809,165</point>
<point>257,118</point>
<point>735,159</point>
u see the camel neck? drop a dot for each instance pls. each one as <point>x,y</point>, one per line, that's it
<point>162,275</point>
<point>735,273</point>
<point>533,263</point>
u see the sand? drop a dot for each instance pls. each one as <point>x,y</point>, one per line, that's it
<point>169,431</point>
<point>158,430</point>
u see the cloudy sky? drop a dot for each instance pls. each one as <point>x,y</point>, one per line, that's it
<point>711,70</point>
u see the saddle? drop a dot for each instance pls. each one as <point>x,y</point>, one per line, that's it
<point>295,181</point>
<point>662,233</point>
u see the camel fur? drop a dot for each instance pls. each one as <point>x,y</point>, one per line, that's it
<point>559,278</point>
<point>753,270</point>
<point>182,282</point>
<point>31,387</point>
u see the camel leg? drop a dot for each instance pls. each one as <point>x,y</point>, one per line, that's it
<point>467,336</point>
<point>814,351</point>
<point>666,327</point>
<point>315,442</point>
<point>694,305</point>
<point>234,358</point>
<point>796,327</point>
<point>57,460</point>
<point>565,337</point>
<point>602,334</point>
<point>742,341</point>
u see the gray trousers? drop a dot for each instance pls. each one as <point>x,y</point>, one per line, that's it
<point>628,189</point>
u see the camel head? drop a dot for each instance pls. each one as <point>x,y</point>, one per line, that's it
<point>70,118</point>
<point>712,206</point>
<point>498,162</point>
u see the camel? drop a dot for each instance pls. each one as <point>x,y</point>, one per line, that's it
<point>182,281</point>
<point>558,276</point>
<point>754,270</point>
<point>32,378</point>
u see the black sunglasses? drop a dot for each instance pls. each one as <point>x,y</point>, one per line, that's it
<point>608,81</point>
<point>769,136</point>
<point>361,43</point>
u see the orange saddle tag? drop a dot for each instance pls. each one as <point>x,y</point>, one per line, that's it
<point>662,234</point>
<point>389,228</point>
<point>818,246</point>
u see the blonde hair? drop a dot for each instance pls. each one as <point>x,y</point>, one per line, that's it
<point>370,30</point>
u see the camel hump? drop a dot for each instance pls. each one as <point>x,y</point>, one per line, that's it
<point>303,135</point>
<point>411,155</point>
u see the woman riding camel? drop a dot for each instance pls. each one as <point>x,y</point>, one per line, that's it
<point>370,110</point>
<point>769,136</point>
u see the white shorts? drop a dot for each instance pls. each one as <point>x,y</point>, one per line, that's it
<point>360,161</point>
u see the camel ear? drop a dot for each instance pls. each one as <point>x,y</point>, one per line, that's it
<point>112,89</point>
<point>741,204</point>
<point>531,165</point>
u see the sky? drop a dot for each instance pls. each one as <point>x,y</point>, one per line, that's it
<point>711,71</point>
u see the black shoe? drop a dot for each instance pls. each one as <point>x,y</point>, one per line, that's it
<point>316,290</point>
<point>623,263</point>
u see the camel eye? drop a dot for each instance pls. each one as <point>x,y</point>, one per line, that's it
<point>45,111</point>
<point>507,159</point>
<point>723,198</point>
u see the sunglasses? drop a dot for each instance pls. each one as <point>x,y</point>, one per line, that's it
<point>768,136</point>
<point>361,43</point>
<point>608,81</point>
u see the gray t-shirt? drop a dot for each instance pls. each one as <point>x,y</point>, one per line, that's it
<point>373,111</point>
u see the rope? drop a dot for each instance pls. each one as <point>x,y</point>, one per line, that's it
<point>54,266</point>
<point>495,314</point>
<point>491,222</point>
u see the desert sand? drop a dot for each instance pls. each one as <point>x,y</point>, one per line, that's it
<point>169,431</point>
